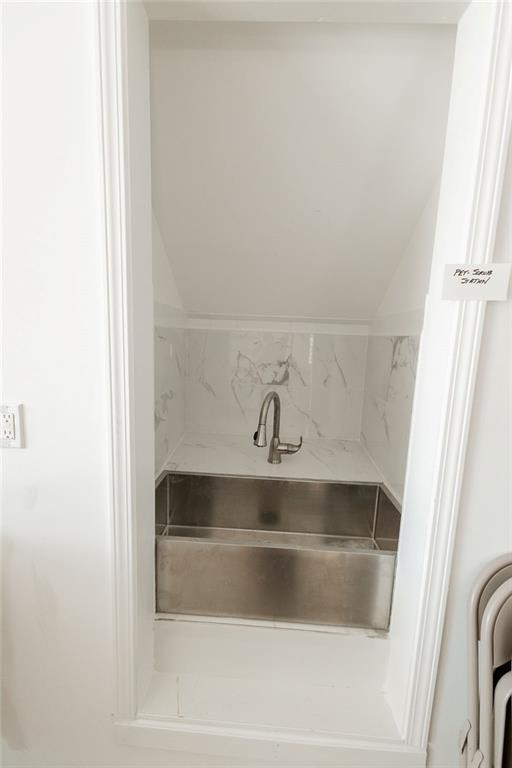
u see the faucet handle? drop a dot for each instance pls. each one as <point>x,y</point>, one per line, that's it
<point>290,447</point>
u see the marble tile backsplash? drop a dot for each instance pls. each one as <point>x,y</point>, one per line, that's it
<point>320,379</point>
<point>214,381</point>
<point>331,386</point>
<point>170,361</point>
<point>388,399</point>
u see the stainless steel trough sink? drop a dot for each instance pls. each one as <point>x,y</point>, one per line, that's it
<point>281,550</point>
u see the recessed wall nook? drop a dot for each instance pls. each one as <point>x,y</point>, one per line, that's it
<point>289,176</point>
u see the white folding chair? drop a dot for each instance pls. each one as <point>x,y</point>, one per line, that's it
<point>491,577</point>
<point>502,695</point>
<point>495,650</point>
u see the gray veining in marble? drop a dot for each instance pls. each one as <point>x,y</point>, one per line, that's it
<point>319,379</point>
<point>337,386</point>
<point>388,400</point>
<point>169,410</point>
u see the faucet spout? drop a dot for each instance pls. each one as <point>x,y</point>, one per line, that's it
<point>260,436</point>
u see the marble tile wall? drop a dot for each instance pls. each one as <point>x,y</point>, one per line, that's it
<point>338,387</point>
<point>170,362</point>
<point>320,379</point>
<point>387,408</point>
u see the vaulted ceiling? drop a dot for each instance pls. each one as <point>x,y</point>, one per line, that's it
<point>292,161</point>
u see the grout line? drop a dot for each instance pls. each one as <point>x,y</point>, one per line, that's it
<point>363,394</point>
<point>168,499</point>
<point>375,513</point>
<point>169,456</point>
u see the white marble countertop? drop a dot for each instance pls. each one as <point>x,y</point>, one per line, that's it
<point>319,459</point>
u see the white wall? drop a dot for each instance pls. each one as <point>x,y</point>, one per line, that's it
<point>165,290</point>
<point>57,606</point>
<point>56,529</point>
<point>57,602</point>
<point>485,522</point>
<point>400,312</point>
<point>290,161</point>
<point>393,345</point>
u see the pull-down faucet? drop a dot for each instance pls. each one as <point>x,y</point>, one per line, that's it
<point>260,436</point>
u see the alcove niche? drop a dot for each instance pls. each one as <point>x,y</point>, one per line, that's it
<point>281,171</point>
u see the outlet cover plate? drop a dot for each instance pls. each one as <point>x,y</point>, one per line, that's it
<point>11,426</point>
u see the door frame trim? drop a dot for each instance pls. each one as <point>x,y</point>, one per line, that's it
<point>448,452</point>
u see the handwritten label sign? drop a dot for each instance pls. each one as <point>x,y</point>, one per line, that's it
<point>477,282</point>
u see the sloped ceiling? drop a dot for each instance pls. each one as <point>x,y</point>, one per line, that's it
<point>292,161</point>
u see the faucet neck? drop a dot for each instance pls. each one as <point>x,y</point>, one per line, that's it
<point>271,397</point>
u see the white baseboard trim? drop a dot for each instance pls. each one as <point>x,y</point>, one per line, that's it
<point>278,747</point>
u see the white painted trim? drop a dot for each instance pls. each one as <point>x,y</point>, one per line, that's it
<point>277,325</point>
<point>170,317</point>
<point>488,185</point>
<point>275,745</point>
<point>340,11</point>
<point>120,352</point>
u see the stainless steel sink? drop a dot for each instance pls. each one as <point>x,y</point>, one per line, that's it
<point>282,550</point>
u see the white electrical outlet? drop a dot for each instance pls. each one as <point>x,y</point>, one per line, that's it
<point>11,426</point>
